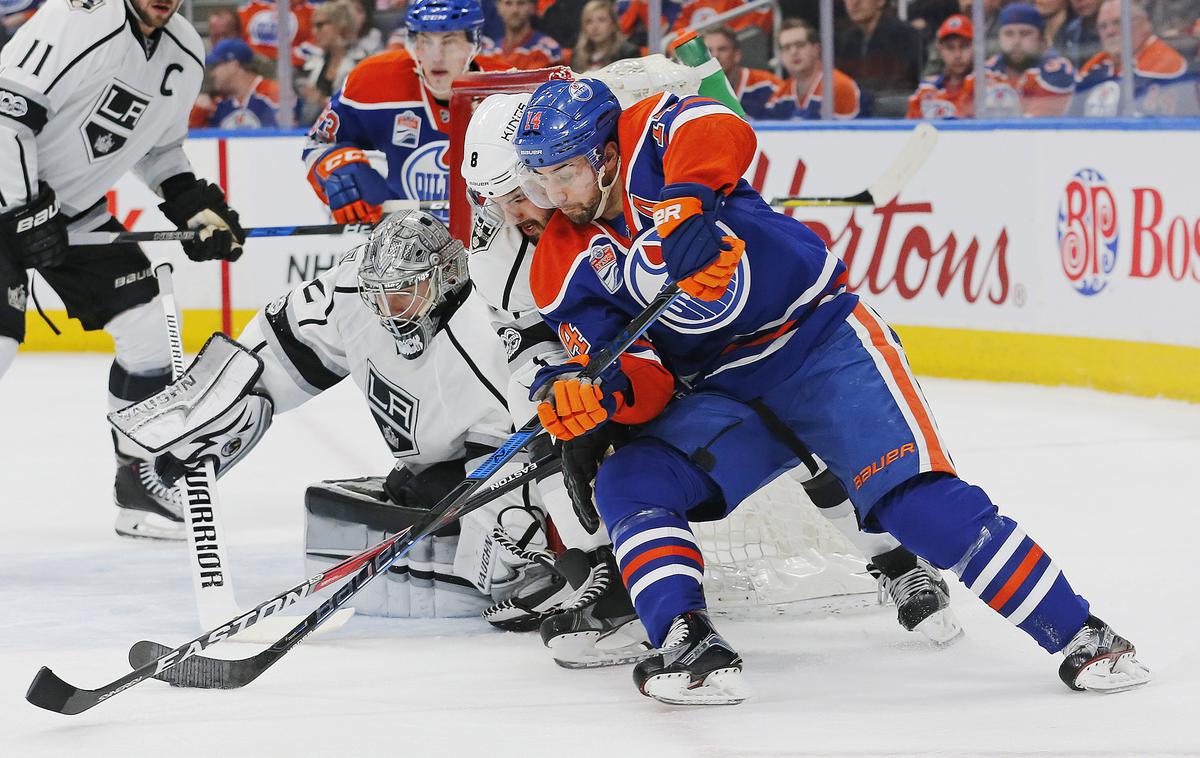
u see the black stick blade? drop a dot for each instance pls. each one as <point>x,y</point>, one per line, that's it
<point>198,671</point>
<point>48,691</point>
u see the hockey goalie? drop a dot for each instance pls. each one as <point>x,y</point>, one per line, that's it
<point>398,315</point>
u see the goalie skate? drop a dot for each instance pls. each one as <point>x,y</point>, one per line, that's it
<point>599,627</point>
<point>921,595</point>
<point>1100,660</point>
<point>146,507</point>
<point>695,666</point>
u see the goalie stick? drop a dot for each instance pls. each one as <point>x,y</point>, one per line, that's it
<point>212,574</point>
<point>212,673</point>
<point>49,691</point>
<point>887,185</point>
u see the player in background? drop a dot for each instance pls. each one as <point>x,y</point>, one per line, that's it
<point>399,317</point>
<point>800,95</point>
<point>752,87</point>
<point>244,99</point>
<point>780,359</point>
<point>396,102</point>
<point>89,90</point>
<point>1027,77</point>
<point>582,608</point>
<point>951,93</point>
<point>1162,85</point>
<point>522,46</point>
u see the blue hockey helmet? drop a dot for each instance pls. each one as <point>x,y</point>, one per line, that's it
<point>567,119</point>
<point>444,16</point>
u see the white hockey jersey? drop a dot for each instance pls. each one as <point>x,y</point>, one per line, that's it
<point>84,98</point>
<point>428,408</point>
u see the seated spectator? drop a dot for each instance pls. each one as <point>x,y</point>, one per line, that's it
<point>223,24</point>
<point>879,51</point>
<point>1082,40</point>
<point>522,46</point>
<point>632,18</point>
<point>1056,14</point>
<point>560,18</point>
<point>696,13</point>
<point>260,29</point>
<point>241,99</point>
<point>600,41</point>
<point>1026,78</point>
<point>367,40</point>
<point>1162,85</point>
<point>753,87</point>
<point>801,94</point>
<point>324,73</point>
<point>950,94</point>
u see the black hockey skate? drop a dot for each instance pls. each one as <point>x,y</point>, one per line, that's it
<point>1100,660</point>
<point>695,666</point>
<point>599,626</point>
<point>921,595</point>
<point>146,507</point>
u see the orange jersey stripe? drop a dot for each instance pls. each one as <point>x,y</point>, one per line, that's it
<point>938,458</point>
<point>1014,582</point>
<point>660,552</point>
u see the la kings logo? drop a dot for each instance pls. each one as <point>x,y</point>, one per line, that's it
<point>395,412</point>
<point>16,297</point>
<point>113,120</point>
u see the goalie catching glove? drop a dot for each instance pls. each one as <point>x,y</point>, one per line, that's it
<point>211,411</point>
<point>699,253</point>
<point>192,203</point>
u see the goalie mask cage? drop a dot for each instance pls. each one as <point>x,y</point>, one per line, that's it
<point>775,551</point>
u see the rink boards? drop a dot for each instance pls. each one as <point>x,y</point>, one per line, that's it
<point>1022,251</point>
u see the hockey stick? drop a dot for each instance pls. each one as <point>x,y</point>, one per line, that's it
<point>188,235</point>
<point>212,673</point>
<point>887,185</point>
<point>212,576</point>
<point>49,691</point>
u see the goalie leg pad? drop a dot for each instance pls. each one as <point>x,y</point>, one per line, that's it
<point>344,517</point>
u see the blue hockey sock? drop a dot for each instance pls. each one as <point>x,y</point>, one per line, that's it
<point>955,525</point>
<point>644,493</point>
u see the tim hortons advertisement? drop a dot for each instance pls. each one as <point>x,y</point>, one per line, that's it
<point>1078,233</point>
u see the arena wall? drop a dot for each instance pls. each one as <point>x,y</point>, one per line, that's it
<point>1023,251</point>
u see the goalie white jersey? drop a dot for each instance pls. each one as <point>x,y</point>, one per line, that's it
<point>85,97</point>
<point>427,408</point>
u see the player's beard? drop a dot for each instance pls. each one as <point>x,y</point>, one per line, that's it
<point>153,22</point>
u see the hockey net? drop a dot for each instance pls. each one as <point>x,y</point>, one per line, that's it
<point>775,551</point>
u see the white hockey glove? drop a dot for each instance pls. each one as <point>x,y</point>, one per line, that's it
<point>209,412</point>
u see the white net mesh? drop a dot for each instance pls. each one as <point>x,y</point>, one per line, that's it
<point>777,551</point>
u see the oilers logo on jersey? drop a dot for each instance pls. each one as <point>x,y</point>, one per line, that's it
<point>426,172</point>
<point>394,410</point>
<point>647,274</point>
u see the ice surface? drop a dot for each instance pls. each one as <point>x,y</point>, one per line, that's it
<point>1106,484</point>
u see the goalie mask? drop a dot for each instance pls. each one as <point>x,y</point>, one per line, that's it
<point>408,272</point>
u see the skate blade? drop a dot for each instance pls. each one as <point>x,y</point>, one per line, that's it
<point>147,526</point>
<point>1108,677</point>
<point>586,650</point>
<point>721,687</point>
<point>941,628</point>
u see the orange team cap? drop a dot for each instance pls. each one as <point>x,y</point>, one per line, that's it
<point>691,35</point>
<point>957,25</point>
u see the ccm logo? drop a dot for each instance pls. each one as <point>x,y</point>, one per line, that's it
<point>341,158</point>
<point>39,218</point>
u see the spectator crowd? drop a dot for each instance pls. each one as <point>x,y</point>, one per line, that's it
<point>892,58</point>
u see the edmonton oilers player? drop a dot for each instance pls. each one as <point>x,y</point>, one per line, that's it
<point>779,357</point>
<point>395,102</point>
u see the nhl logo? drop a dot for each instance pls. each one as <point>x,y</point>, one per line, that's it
<point>17,297</point>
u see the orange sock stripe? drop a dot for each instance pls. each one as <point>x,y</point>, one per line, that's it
<point>1014,582</point>
<point>660,552</point>
<point>937,457</point>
